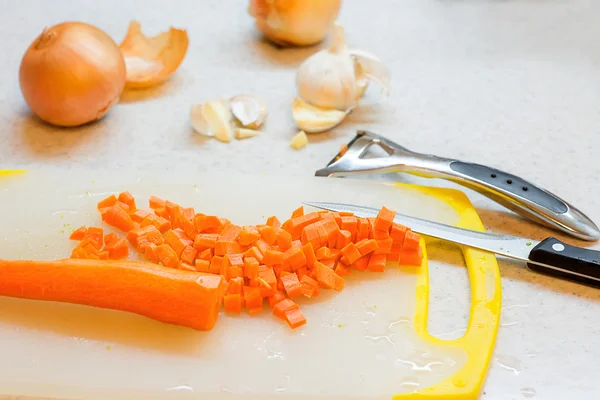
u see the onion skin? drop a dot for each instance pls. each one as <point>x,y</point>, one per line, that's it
<point>72,74</point>
<point>295,22</point>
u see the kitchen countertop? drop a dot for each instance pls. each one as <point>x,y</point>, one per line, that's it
<point>512,84</point>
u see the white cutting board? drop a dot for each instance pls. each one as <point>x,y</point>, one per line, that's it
<point>357,344</point>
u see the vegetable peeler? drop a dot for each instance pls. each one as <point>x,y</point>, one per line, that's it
<point>512,192</point>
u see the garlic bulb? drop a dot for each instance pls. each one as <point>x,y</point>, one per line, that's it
<point>295,22</point>
<point>327,78</point>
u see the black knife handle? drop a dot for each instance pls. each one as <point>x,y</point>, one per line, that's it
<point>570,262</point>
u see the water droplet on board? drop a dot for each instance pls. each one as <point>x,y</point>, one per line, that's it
<point>386,338</point>
<point>528,392</point>
<point>509,363</point>
<point>398,321</point>
<point>459,382</point>
<point>532,354</point>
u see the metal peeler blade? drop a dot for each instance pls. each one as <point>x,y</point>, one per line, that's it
<point>511,191</point>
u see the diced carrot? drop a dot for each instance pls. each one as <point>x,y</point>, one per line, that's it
<point>309,254</point>
<point>268,275</point>
<point>96,235</point>
<point>310,234</point>
<point>384,246</point>
<point>173,209</point>
<point>204,241</point>
<point>256,310</point>
<point>364,228</point>
<point>366,246</point>
<point>284,239</point>
<point>350,224</point>
<point>189,213</point>
<point>108,202</point>
<point>235,272</point>
<point>328,278</point>
<point>380,235</point>
<point>323,253</point>
<point>206,254</point>
<point>295,257</point>
<point>155,236</point>
<point>156,202</point>
<point>262,246</point>
<point>250,267</point>
<point>351,253</point>
<point>189,254</point>
<point>233,260</point>
<point>215,264</point>
<point>232,303</point>
<point>330,262</point>
<point>133,234</point>
<point>189,227</point>
<point>384,219</point>
<point>117,249</point>
<point>301,272</point>
<point>230,233</point>
<point>79,233</point>
<point>342,270</point>
<point>361,264</point>
<point>398,232</point>
<point>274,222</point>
<point>298,212</point>
<point>295,318</point>
<point>224,247</point>
<point>127,198</point>
<point>202,265</point>
<point>236,285</point>
<point>205,222</point>
<point>276,298</point>
<point>252,297</point>
<point>323,234</point>
<point>272,257</point>
<point>161,212</point>
<point>292,286</point>
<point>309,286</point>
<point>344,237</point>
<point>104,255</point>
<point>377,263</point>
<point>177,242</point>
<point>281,307</point>
<point>187,267</point>
<point>150,252</point>
<point>297,224</point>
<point>255,253</point>
<point>297,244</point>
<point>411,257</point>
<point>393,256</point>
<point>411,241</point>
<point>162,224</point>
<point>248,235</point>
<point>332,229</point>
<point>139,215</point>
<point>167,256</point>
<point>123,206</point>
<point>268,234</point>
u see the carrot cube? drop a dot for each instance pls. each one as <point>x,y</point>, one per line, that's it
<point>117,217</point>
<point>295,257</point>
<point>344,237</point>
<point>204,222</point>
<point>272,257</point>
<point>250,267</point>
<point>276,298</point>
<point>328,278</point>
<point>295,318</point>
<point>292,286</point>
<point>384,219</point>
<point>202,265</point>
<point>79,233</point>
<point>255,253</point>
<point>268,234</point>
<point>108,202</point>
<point>351,253</point>
<point>377,263</point>
<point>284,239</point>
<point>366,246</point>
<point>156,202</point>
<point>281,307</point>
<point>274,222</point>
<point>232,303</point>
<point>411,241</point>
<point>361,264</point>
<point>204,241</point>
<point>226,247</point>
<point>384,246</point>
<point>411,257</point>
<point>309,254</point>
<point>342,270</point>
<point>310,287</point>
<point>189,255</point>
<point>252,297</point>
<point>215,264</point>
<point>323,253</point>
<point>248,235</point>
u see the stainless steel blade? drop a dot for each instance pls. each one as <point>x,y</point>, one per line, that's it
<point>509,246</point>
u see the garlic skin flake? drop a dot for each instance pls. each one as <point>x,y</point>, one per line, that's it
<point>250,111</point>
<point>369,67</point>
<point>313,119</point>
<point>299,140</point>
<point>244,133</point>
<point>327,78</point>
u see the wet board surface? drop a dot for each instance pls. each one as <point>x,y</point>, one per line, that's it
<point>366,342</point>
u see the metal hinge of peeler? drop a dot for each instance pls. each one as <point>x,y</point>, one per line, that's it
<point>514,193</point>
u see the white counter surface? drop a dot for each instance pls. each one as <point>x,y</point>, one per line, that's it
<point>511,84</point>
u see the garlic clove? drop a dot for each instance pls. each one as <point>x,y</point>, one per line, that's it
<point>218,117</point>
<point>198,120</point>
<point>244,133</point>
<point>327,78</point>
<point>313,119</point>
<point>152,60</point>
<point>371,69</point>
<point>249,110</point>
<point>299,140</point>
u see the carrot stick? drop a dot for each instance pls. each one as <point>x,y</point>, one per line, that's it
<point>173,296</point>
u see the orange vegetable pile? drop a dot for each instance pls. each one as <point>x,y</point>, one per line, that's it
<point>273,261</point>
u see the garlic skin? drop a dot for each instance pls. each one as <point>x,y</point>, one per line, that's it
<point>250,111</point>
<point>370,68</point>
<point>295,22</point>
<point>327,78</point>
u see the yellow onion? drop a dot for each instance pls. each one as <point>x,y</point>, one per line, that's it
<point>72,74</point>
<point>295,22</point>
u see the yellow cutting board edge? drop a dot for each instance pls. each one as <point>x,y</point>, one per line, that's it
<point>479,340</point>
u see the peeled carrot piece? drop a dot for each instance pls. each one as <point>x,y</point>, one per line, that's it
<point>284,239</point>
<point>215,264</point>
<point>248,235</point>
<point>235,272</point>
<point>297,244</point>
<point>364,228</point>
<point>309,286</point>
<point>117,217</point>
<point>205,222</point>
<point>117,249</point>
<point>133,234</point>
<point>276,298</point>
<point>202,265</point>
<point>292,286</point>
<point>255,253</point>
<point>411,241</point>
<point>342,270</point>
<point>123,206</point>
<point>161,212</point>
<point>108,202</point>
<point>377,263</point>
<point>79,233</point>
<point>250,267</point>
<point>366,246</point>
<point>139,215</point>
<point>331,229</point>
<point>297,224</point>
<point>154,236</point>
<point>252,297</point>
<point>281,307</point>
<point>344,237</point>
<point>189,228</point>
<point>361,264</point>
<point>167,256</point>
<point>189,255</point>
<point>350,224</point>
<point>274,222</point>
<point>384,246</point>
<point>310,234</point>
<point>96,235</point>
<point>272,257</point>
<point>268,275</point>
<point>232,260</point>
<point>232,303</point>
<point>298,212</point>
<point>323,253</point>
<point>411,257</point>
<point>328,278</point>
<point>268,234</point>
<point>398,232</point>
<point>127,198</point>
<point>162,224</point>
<point>295,257</point>
<point>188,213</point>
<point>236,286</point>
<point>178,241</point>
<point>309,254</point>
<point>156,202</point>
<point>230,233</point>
<point>351,253</point>
<point>323,234</point>
<point>225,247</point>
<point>295,318</point>
<point>394,254</point>
<point>384,219</point>
<point>168,295</point>
<point>150,252</point>
<point>205,241</point>
<point>206,254</point>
